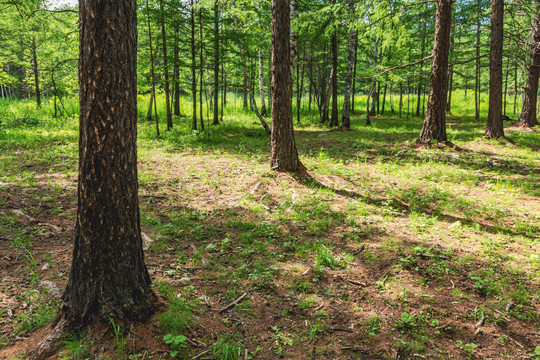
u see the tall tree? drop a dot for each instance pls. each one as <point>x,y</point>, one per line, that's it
<point>193,67</point>
<point>216,64</point>
<point>495,128</point>
<point>434,127</point>
<point>345,113</point>
<point>165,67</point>
<point>528,112</point>
<point>108,276</point>
<point>284,154</point>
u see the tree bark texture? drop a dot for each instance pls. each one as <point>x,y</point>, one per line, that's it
<point>494,127</point>
<point>193,70</point>
<point>284,153</point>
<point>528,111</point>
<point>216,64</point>
<point>334,114</point>
<point>108,274</point>
<point>434,127</point>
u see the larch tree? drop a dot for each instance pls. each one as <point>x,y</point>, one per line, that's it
<point>108,278</point>
<point>494,127</point>
<point>528,112</point>
<point>434,127</point>
<point>284,155</point>
<point>345,113</point>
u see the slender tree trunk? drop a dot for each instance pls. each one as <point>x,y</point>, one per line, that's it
<point>351,62</point>
<point>201,63</point>
<point>477,79</point>
<point>434,127</point>
<point>216,64</point>
<point>354,74</point>
<point>176,72</point>
<point>165,68</point>
<point>152,68</point>
<point>373,93</point>
<point>36,72</point>
<point>528,111</point>
<point>384,98</point>
<point>400,98</point>
<point>261,84</point>
<point>193,69</point>
<point>495,127</point>
<point>515,86</point>
<point>284,155</point>
<point>150,106</point>
<point>334,116</point>
<point>506,85</point>
<point>450,81</point>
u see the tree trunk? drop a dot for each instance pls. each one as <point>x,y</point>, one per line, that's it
<point>354,74</point>
<point>515,85</point>
<point>506,85</point>
<point>165,68</point>
<point>494,127</point>
<point>351,61</point>
<point>201,118</point>
<point>284,154</point>
<point>477,78</point>
<point>261,84</point>
<point>152,68</point>
<point>36,72</point>
<point>528,111</point>
<point>384,98</point>
<point>176,73</point>
<point>193,69</point>
<point>216,64</point>
<point>108,275</point>
<point>334,116</point>
<point>434,127</point>
<point>450,81</point>
<point>245,90</point>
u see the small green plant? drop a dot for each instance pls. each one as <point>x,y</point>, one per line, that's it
<point>119,339</point>
<point>326,257</point>
<point>177,343</point>
<point>227,348</point>
<point>178,317</point>
<point>76,346</point>
<point>316,329</point>
<point>373,325</point>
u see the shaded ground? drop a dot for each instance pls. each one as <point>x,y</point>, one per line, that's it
<point>387,252</point>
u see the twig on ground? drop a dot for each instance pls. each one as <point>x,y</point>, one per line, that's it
<point>233,303</point>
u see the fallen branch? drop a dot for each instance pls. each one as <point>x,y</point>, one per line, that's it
<point>233,303</point>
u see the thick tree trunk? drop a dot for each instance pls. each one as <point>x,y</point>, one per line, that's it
<point>528,112</point>
<point>165,68</point>
<point>434,127</point>
<point>494,127</point>
<point>216,64</point>
<point>261,84</point>
<point>36,72</point>
<point>351,61</point>
<point>284,155</point>
<point>108,275</point>
<point>193,69</point>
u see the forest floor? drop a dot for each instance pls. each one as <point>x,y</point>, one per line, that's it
<point>386,251</point>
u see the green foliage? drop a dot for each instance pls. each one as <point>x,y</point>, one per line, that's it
<point>77,347</point>
<point>177,343</point>
<point>178,316</point>
<point>227,348</point>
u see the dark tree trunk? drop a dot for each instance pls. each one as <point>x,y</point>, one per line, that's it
<point>528,112</point>
<point>36,72</point>
<point>261,84</point>
<point>108,274</point>
<point>216,64</point>
<point>193,69</point>
<point>245,90</point>
<point>354,74</point>
<point>515,86</point>
<point>176,73</point>
<point>450,81</point>
<point>400,98</point>
<point>384,98</point>
<point>165,68</point>
<point>334,116</point>
<point>284,154</point>
<point>153,97</point>
<point>434,127</point>
<point>477,78</point>
<point>351,63</point>
<point>201,49</point>
<point>494,127</point>
<point>506,85</point>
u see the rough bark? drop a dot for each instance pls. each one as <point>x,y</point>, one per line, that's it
<point>494,127</point>
<point>345,113</point>
<point>284,155</point>
<point>165,68</point>
<point>528,111</point>
<point>108,276</point>
<point>434,127</point>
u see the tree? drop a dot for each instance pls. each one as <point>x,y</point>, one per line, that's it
<point>108,275</point>
<point>284,153</point>
<point>345,113</point>
<point>434,127</point>
<point>528,112</point>
<point>495,128</point>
